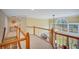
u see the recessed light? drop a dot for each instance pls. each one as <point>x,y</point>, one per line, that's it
<point>32,9</point>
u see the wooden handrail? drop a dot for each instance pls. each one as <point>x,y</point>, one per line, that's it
<point>11,42</point>
<point>17,40</point>
<point>18,37</point>
<point>67,35</point>
<point>34,28</point>
<point>37,27</point>
<point>22,32</point>
<point>41,28</point>
<point>27,38</point>
<point>52,32</point>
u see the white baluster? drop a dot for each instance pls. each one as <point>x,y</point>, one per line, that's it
<point>68,27</point>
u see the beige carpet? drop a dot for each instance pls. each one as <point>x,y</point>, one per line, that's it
<point>37,43</point>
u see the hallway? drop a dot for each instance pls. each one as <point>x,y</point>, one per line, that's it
<point>37,43</point>
<point>61,27</point>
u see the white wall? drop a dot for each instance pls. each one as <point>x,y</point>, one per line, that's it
<point>2,24</point>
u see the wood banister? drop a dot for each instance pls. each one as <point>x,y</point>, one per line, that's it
<point>34,30</point>
<point>41,28</point>
<point>23,32</point>
<point>10,42</point>
<point>17,40</point>
<point>27,37</point>
<point>67,35</point>
<point>67,42</point>
<point>37,27</point>
<point>53,33</point>
<point>18,37</point>
<point>51,39</point>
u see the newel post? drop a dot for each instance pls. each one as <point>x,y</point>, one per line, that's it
<point>67,42</point>
<point>27,37</point>
<point>51,37</point>
<point>33,30</point>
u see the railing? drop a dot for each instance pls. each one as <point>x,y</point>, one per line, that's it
<point>50,32</point>
<point>53,35</point>
<point>34,29</point>
<point>17,41</point>
<point>72,30</point>
<point>67,37</point>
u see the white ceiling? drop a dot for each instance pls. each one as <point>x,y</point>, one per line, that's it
<point>41,13</point>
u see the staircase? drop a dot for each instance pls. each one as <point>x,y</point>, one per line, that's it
<point>14,42</point>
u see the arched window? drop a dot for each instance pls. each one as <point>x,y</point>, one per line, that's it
<point>61,20</point>
<point>61,23</point>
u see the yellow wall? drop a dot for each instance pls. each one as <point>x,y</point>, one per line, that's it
<point>73,19</point>
<point>30,21</point>
<point>70,19</point>
<point>37,22</point>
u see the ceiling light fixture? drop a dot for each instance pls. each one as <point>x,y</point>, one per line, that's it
<point>32,9</point>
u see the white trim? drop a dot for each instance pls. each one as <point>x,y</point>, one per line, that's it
<point>78,28</point>
<point>68,28</point>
